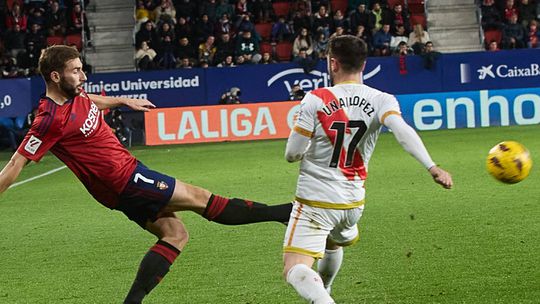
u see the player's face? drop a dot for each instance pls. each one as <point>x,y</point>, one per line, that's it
<point>72,78</point>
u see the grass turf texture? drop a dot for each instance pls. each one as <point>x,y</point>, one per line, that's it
<point>477,243</point>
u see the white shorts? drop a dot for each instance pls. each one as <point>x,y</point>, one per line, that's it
<point>309,227</point>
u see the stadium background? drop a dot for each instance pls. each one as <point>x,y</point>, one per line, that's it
<point>477,244</point>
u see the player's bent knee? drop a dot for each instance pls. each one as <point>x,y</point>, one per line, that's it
<point>290,260</point>
<point>170,229</point>
<point>180,239</point>
<point>177,237</point>
<point>178,232</point>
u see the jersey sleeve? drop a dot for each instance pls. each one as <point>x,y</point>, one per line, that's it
<point>305,121</point>
<point>389,106</point>
<point>43,135</point>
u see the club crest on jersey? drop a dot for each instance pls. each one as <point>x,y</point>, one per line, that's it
<point>162,185</point>
<point>32,145</point>
<point>91,122</point>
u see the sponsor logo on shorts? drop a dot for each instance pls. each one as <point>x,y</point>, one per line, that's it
<point>162,185</point>
<point>32,145</point>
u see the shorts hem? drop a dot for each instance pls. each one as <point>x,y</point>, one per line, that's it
<point>316,255</point>
<point>329,205</point>
<point>349,243</point>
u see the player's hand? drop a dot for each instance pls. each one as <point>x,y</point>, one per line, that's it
<point>143,105</point>
<point>441,177</point>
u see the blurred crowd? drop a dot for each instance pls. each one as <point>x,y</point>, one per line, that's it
<point>185,33</point>
<point>28,26</point>
<point>510,24</point>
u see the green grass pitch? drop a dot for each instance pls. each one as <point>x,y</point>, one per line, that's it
<point>477,243</point>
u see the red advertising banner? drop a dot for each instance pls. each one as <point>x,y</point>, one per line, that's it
<point>220,123</point>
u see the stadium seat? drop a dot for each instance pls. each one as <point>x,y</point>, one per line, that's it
<point>490,35</point>
<point>416,6</point>
<point>266,47</point>
<point>419,18</point>
<point>264,30</point>
<point>55,40</point>
<point>281,8</point>
<point>74,39</point>
<point>284,51</point>
<point>340,5</point>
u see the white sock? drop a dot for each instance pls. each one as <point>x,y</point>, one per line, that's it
<point>329,266</point>
<point>308,284</point>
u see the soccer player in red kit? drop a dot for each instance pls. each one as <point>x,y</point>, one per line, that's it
<point>69,125</point>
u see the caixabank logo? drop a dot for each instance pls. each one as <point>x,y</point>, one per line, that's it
<point>502,71</point>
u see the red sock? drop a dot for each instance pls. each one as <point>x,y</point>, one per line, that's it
<point>154,266</point>
<point>236,211</point>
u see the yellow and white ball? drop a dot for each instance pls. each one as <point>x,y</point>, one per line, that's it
<point>509,162</point>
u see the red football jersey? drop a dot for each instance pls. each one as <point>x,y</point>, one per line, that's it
<point>77,134</point>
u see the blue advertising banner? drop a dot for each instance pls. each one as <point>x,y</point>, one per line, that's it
<point>15,97</point>
<point>471,109</point>
<point>410,76</point>
<point>171,88</point>
<point>273,82</point>
<point>493,70</point>
<point>263,83</point>
<point>38,89</point>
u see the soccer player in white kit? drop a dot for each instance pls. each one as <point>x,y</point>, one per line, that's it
<point>334,136</point>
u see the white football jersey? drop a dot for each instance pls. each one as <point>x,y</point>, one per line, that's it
<point>344,122</point>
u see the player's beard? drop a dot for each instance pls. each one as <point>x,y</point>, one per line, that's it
<point>70,90</point>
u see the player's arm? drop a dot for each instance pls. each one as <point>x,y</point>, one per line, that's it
<point>109,102</point>
<point>411,142</point>
<point>11,171</point>
<point>297,144</point>
<point>301,134</point>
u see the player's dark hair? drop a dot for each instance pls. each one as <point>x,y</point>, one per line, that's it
<point>350,51</point>
<point>54,58</point>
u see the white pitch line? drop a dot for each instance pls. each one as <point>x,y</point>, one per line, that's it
<point>36,177</point>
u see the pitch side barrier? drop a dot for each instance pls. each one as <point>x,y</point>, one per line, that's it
<point>430,111</point>
<point>265,83</point>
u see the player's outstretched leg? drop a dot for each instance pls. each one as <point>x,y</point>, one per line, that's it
<point>227,211</point>
<point>236,211</point>
<point>157,261</point>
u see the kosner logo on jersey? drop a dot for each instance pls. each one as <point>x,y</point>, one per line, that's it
<point>315,79</point>
<point>499,71</point>
<point>90,123</point>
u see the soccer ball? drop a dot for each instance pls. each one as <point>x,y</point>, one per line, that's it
<point>509,162</point>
